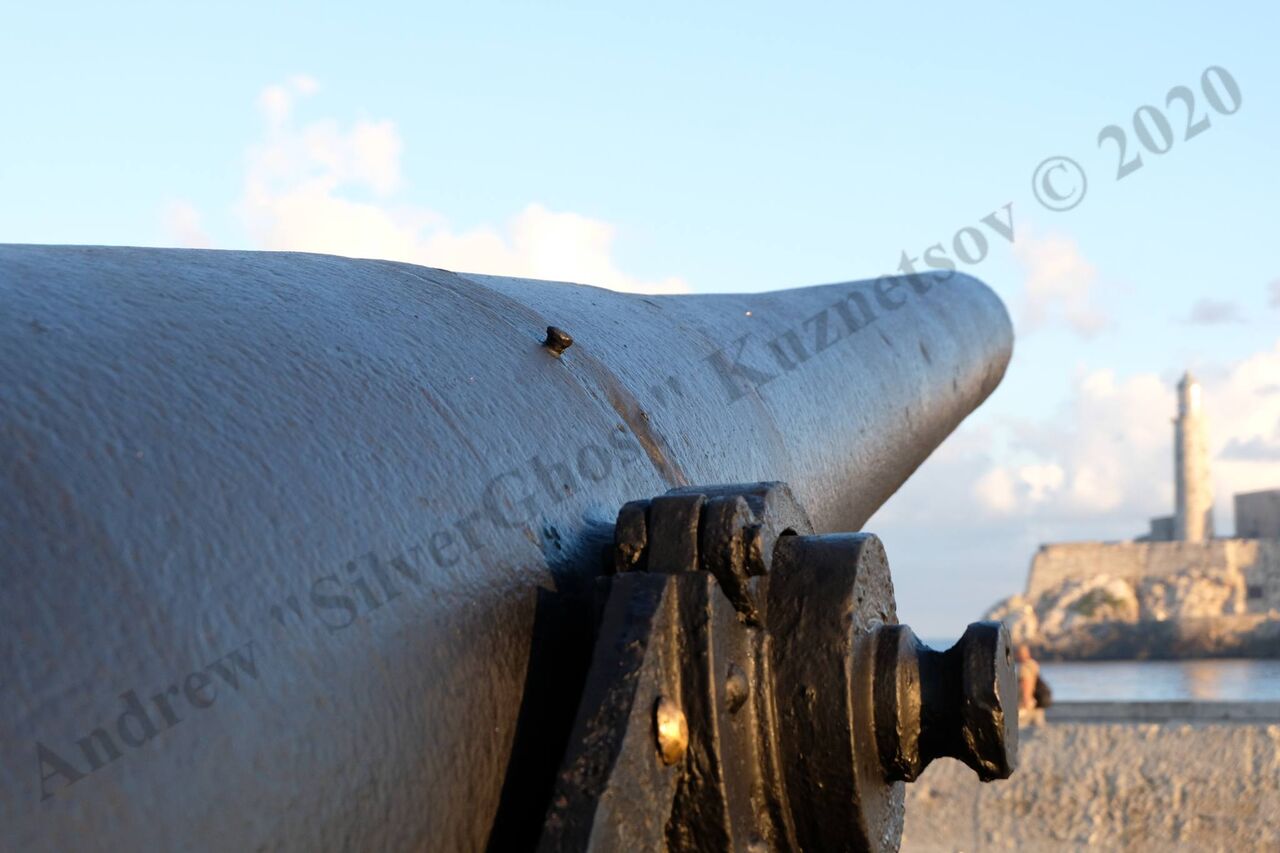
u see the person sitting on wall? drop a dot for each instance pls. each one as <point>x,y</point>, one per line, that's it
<point>1030,711</point>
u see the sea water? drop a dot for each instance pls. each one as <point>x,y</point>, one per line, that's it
<point>1154,681</point>
<point>1214,680</point>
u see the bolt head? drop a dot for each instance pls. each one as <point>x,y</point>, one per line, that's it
<point>672,730</point>
<point>557,340</point>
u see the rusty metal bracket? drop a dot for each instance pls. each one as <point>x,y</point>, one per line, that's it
<point>751,688</point>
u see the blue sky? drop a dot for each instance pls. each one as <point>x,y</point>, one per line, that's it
<point>731,147</point>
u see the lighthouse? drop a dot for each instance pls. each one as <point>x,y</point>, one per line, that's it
<point>1193,521</point>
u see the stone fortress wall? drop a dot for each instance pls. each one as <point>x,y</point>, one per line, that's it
<point>1256,560</point>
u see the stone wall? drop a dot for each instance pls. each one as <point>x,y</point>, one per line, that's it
<point>1258,560</point>
<point>1110,786</point>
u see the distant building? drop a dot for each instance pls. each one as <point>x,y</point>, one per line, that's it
<point>1183,544</point>
<point>1258,515</point>
<point>1162,530</point>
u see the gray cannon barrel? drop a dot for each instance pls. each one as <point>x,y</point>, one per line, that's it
<point>290,544</point>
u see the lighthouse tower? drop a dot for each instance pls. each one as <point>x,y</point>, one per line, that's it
<point>1193,521</point>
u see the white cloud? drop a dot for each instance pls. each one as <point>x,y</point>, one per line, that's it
<point>1102,454</point>
<point>276,101</point>
<point>1059,285</point>
<point>1008,490</point>
<point>334,187</point>
<point>1274,287</point>
<point>1106,455</point>
<point>1041,481</point>
<point>183,223</point>
<point>1244,413</point>
<point>997,490</point>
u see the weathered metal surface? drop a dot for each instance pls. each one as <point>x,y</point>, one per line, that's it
<point>790,705</point>
<point>375,484</point>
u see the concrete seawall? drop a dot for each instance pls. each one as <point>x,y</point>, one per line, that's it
<point>1116,776</point>
<point>1164,712</point>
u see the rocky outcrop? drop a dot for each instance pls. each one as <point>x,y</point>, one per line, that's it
<point>1074,604</point>
<point>1019,616</point>
<point>1192,594</point>
<point>1244,636</point>
<point>1195,613</point>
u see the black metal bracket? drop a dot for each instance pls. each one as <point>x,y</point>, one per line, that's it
<point>751,689</point>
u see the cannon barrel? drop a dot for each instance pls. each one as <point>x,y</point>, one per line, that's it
<point>293,548</point>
